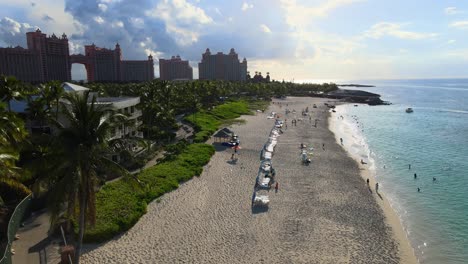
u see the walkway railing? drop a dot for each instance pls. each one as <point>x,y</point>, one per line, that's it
<point>13,226</point>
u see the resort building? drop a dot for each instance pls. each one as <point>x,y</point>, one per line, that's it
<point>45,59</point>
<point>175,69</point>
<point>122,105</point>
<point>48,58</point>
<point>221,66</point>
<point>106,65</point>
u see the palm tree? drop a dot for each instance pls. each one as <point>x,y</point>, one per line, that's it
<point>84,152</point>
<point>12,134</point>
<point>10,89</point>
<point>51,93</point>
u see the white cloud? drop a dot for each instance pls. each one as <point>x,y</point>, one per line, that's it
<point>246,6</point>
<point>75,48</point>
<point>182,19</point>
<point>119,24</point>
<point>137,22</point>
<point>395,30</point>
<point>99,20</point>
<point>451,41</point>
<point>102,7</point>
<point>452,11</point>
<point>12,32</point>
<point>265,29</point>
<point>297,14</point>
<point>460,24</point>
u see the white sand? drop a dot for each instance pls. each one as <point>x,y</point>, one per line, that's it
<point>323,213</point>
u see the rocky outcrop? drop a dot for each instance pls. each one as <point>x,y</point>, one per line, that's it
<point>356,96</point>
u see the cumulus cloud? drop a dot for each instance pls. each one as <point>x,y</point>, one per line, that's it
<point>13,33</point>
<point>246,6</point>
<point>99,19</point>
<point>47,18</point>
<point>460,24</point>
<point>102,7</point>
<point>182,19</point>
<point>265,29</point>
<point>451,11</point>
<point>382,29</point>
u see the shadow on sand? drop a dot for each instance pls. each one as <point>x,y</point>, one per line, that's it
<point>259,209</point>
<point>220,147</point>
<point>232,161</point>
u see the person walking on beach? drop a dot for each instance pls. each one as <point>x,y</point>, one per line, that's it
<point>232,156</point>
<point>276,187</point>
<point>323,146</point>
<point>367,181</point>
<point>341,140</point>
<point>376,187</point>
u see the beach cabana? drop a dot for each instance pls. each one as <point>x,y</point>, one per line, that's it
<point>223,135</point>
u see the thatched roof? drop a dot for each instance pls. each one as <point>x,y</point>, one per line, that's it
<point>224,133</point>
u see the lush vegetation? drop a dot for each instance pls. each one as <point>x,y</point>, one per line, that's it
<point>162,101</point>
<point>208,121</point>
<point>121,203</point>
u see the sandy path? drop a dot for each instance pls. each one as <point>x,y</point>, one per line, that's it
<point>323,213</point>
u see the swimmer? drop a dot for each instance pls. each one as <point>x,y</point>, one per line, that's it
<point>434,179</point>
<point>419,189</point>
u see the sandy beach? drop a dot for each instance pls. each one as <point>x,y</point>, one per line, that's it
<point>322,213</point>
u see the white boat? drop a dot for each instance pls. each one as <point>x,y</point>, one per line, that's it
<point>409,110</point>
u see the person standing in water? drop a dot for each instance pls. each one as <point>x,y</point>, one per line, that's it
<point>415,176</point>
<point>409,166</point>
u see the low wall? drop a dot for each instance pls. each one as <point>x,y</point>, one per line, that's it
<point>13,226</point>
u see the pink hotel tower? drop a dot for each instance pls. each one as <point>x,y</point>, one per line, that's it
<point>48,58</point>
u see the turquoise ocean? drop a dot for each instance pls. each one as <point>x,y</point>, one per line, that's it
<point>434,140</point>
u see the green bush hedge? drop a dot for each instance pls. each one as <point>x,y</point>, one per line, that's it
<point>121,203</point>
<point>207,122</point>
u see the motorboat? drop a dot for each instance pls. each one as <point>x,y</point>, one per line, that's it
<point>409,110</point>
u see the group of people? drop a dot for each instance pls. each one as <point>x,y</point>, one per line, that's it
<point>434,179</point>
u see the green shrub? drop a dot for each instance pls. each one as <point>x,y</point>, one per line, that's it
<point>120,204</point>
<point>207,122</point>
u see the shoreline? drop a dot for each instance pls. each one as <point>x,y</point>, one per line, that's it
<point>407,251</point>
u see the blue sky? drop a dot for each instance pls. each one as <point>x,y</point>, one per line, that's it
<point>291,39</point>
